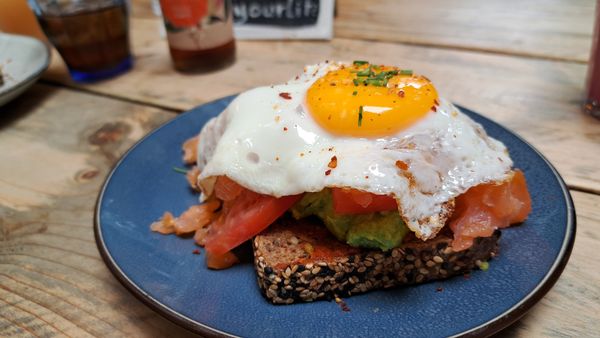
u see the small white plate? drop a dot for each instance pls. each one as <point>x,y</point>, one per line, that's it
<point>22,61</point>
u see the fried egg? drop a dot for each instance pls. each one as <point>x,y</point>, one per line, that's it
<point>378,129</point>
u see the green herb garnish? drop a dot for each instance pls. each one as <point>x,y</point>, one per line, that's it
<point>365,72</point>
<point>360,62</point>
<point>358,81</point>
<point>180,170</point>
<point>380,79</point>
<point>380,75</point>
<point>360,112</point>
<point>354,93</point>
<point>376,82</point>
<point>374,76</point>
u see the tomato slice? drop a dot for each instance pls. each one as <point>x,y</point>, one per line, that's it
<point>219,262</point>
<point>244,217</point>
<point>352,202</point>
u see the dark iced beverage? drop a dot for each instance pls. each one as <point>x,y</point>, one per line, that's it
<point>92,37</point>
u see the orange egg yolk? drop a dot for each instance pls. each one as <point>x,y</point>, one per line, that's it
<point>365,100</point>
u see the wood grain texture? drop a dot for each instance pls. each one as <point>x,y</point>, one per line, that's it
<point>56,147</point>
<point>539,99</point>
<point>570,309</point>
<point>553,29</point>
<point>549,29</point>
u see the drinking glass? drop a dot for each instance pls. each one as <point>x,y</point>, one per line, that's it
<point>200,34</point>
<point>92,36</point>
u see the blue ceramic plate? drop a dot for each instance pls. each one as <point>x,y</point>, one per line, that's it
<point>162,271</point>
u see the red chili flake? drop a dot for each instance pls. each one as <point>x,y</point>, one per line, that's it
<point>436,102</point>
<point>401,165</point>
<point>367,177</point>
<point>328,172</point>
<point>297,77</point>
<point>401,93</point>
<point>332,84</point>
<point>329,117</point>
<point>330,148</point>
<point>439,289</point>
<point>285,95</point>
<point>466,276</point>
<point>333,163</point>
<point>196,252</point>
<point>433,108</point>
<point>285,129</point>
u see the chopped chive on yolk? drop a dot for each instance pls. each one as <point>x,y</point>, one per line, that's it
<point>360,115</point>
<point>369,100</point>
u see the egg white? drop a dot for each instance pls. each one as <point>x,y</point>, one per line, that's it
<point>271,145</point>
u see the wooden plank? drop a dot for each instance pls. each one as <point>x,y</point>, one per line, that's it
<point>555,29</point>
<point>141,9</point>
<point>549,29</point>
<point>539,99</point>
<point>570,308</point>
<point>56,147</point>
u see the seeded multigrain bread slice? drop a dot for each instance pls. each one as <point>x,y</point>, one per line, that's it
<point>301,261</point>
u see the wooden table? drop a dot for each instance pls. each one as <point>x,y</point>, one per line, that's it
<point>522,65</point>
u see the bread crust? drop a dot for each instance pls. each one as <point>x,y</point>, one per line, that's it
<point>300,261</point>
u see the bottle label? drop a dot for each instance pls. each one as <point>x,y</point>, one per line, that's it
<point>197,24</point>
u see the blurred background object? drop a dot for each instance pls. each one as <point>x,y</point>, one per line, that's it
<point>200,34</point>
<point>283,19</point>
<point>92,36</point>
<point>592,102</point>
<point>22,61</point>
<point>156,11</point>
<point>16,17</point>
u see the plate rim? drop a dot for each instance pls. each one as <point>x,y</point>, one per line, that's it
<point>29,80</point>
<point>488,328</point>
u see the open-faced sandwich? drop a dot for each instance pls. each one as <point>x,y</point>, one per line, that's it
<point>348,178</point>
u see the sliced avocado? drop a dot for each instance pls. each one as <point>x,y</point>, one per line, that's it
<point>312,203</point>
<point>339,225</point>
<point>382,230</point>
<point>320,204</point>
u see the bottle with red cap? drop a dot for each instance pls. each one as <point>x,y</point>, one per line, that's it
<point>200,34</point>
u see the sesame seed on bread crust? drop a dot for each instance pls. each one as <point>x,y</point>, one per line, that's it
<point>300,261</point>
